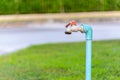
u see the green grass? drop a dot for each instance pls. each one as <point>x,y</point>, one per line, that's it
<point>64,61</point>
<point>57,6</point>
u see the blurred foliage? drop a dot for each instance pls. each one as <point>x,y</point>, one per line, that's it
<point>56,6</point>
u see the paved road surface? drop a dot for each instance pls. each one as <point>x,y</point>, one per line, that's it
<point>12,39</point>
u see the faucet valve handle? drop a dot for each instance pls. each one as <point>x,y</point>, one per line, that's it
<point>73,22</point>
<point>67,25</point>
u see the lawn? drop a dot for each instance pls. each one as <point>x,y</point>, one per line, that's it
<point>62,61</point>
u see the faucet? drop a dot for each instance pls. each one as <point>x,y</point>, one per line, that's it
<point>73,27</point>
<point>83,28</point>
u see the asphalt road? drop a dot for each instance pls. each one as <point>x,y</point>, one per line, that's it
<point>12,39</point>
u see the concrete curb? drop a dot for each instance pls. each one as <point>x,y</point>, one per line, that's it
<point>59,16</point>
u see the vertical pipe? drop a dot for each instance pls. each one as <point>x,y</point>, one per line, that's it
<point>88,58</point>
<point>88,31</point>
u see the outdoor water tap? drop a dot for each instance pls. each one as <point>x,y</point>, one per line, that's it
<point>73,27</point>
<point>83,28</point>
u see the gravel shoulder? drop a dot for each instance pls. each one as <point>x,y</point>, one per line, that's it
<point>60,16</point>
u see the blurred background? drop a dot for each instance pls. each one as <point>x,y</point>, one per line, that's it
<point>28,22</point>
<point>32,31</point>
<point>57,6</point>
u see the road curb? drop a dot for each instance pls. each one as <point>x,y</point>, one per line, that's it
<point>61,16</point>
